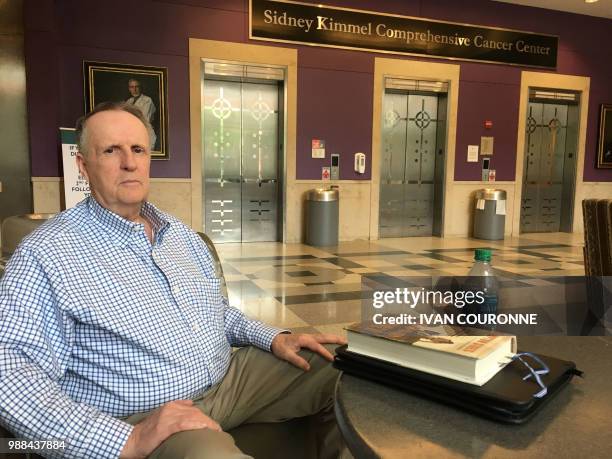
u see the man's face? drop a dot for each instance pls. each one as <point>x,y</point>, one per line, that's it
<point>117,161</point>
<point>134,87</point>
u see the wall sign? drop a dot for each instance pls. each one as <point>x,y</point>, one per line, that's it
<point>472,153</point>
<point>318,148</point>
<point>486,145</point>
<point>320,25</point>
<point>76,187</point>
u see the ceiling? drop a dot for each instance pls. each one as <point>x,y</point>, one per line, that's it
<point>602,8</point>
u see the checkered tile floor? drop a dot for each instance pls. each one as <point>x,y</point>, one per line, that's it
<point>319,289</point>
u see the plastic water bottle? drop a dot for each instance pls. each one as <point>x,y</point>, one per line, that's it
<point>481,278</point>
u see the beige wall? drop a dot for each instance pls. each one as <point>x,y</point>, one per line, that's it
<point>170,195</point>
<point>174,196</point>
<point>48,195</point>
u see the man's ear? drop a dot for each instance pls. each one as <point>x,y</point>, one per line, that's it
<point>82,165</point>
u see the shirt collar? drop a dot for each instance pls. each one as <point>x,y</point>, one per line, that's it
<point>120,229</point>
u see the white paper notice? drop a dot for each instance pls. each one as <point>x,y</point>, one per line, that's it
<point>500,209</point>
<point>76,187</point>
<point>318,148</point>
<point>480,204</point>
<point>486,146</point>
<point>472,155</point>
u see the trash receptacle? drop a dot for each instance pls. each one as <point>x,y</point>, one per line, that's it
<point>490,214</point>
<point>322,217</point>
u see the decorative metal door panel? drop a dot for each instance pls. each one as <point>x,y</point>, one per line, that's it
<point>394,135</point>
<point>259,162</point>
<point>408,166</point>
<point>241,172</point>
<point>223,215</point>
<point>222,152</point>
<point>543,174</point>
<point>412,210</point>
<point>392,212</point>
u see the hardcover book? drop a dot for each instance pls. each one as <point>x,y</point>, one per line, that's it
<point>470,359</point>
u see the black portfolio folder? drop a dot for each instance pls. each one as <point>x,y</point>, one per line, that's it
<point>505,398</point>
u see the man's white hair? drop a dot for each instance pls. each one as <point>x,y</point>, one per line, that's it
<point>81,124</point>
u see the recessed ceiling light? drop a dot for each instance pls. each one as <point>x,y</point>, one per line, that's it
<point>590,1</point>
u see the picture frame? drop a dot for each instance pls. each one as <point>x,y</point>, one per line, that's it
<point>604,149</point>
<point>144,86</point>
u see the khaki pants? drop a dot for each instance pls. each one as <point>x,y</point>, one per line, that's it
<point>259,387</point>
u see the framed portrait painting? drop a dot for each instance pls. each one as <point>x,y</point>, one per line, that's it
<point>145,87</point>
<point>604,150</point>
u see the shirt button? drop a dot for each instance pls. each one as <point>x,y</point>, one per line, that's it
<point>176,289</point>
<point>195,328</point>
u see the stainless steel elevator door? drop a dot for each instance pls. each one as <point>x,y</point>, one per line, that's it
<point>240,164</point>
<point>409,167</point>
<point>548,173</point>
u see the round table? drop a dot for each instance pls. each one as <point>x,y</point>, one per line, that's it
<point>379,421</point>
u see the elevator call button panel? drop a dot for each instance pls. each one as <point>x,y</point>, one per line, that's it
<point>335,166</point>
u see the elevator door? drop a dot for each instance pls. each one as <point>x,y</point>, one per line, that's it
<point>549,167</point>
<point>412,164</point>
<point>241,161</point>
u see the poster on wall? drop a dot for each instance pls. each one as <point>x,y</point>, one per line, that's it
<point>472,154</point>
<point>318,148</point>
<point>486,145</point>
<point>604,151</point>
<point>76,187</point>
<point>144,87</point>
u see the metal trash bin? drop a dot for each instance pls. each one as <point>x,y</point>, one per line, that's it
<point>322,216</point>
<point>490,214</point>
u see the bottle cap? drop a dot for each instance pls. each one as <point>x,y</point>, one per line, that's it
<point>482,254</point>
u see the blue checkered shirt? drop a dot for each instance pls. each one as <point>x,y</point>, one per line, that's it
<point>97,322</point>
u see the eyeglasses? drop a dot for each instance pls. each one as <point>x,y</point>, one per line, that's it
<point>536,374</point>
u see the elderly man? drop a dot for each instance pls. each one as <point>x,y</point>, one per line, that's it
<point>114,335</point>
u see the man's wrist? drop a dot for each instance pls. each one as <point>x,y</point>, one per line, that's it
<point>129,448</point>
<point>264,335</point>
<point>106,436</point>
<point>281,332</point>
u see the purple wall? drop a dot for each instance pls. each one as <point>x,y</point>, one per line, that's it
<point>334,86</point>
<point>334,105</point>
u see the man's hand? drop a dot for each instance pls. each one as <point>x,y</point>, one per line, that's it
<point>168,419</point>
<point>286,347</point>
